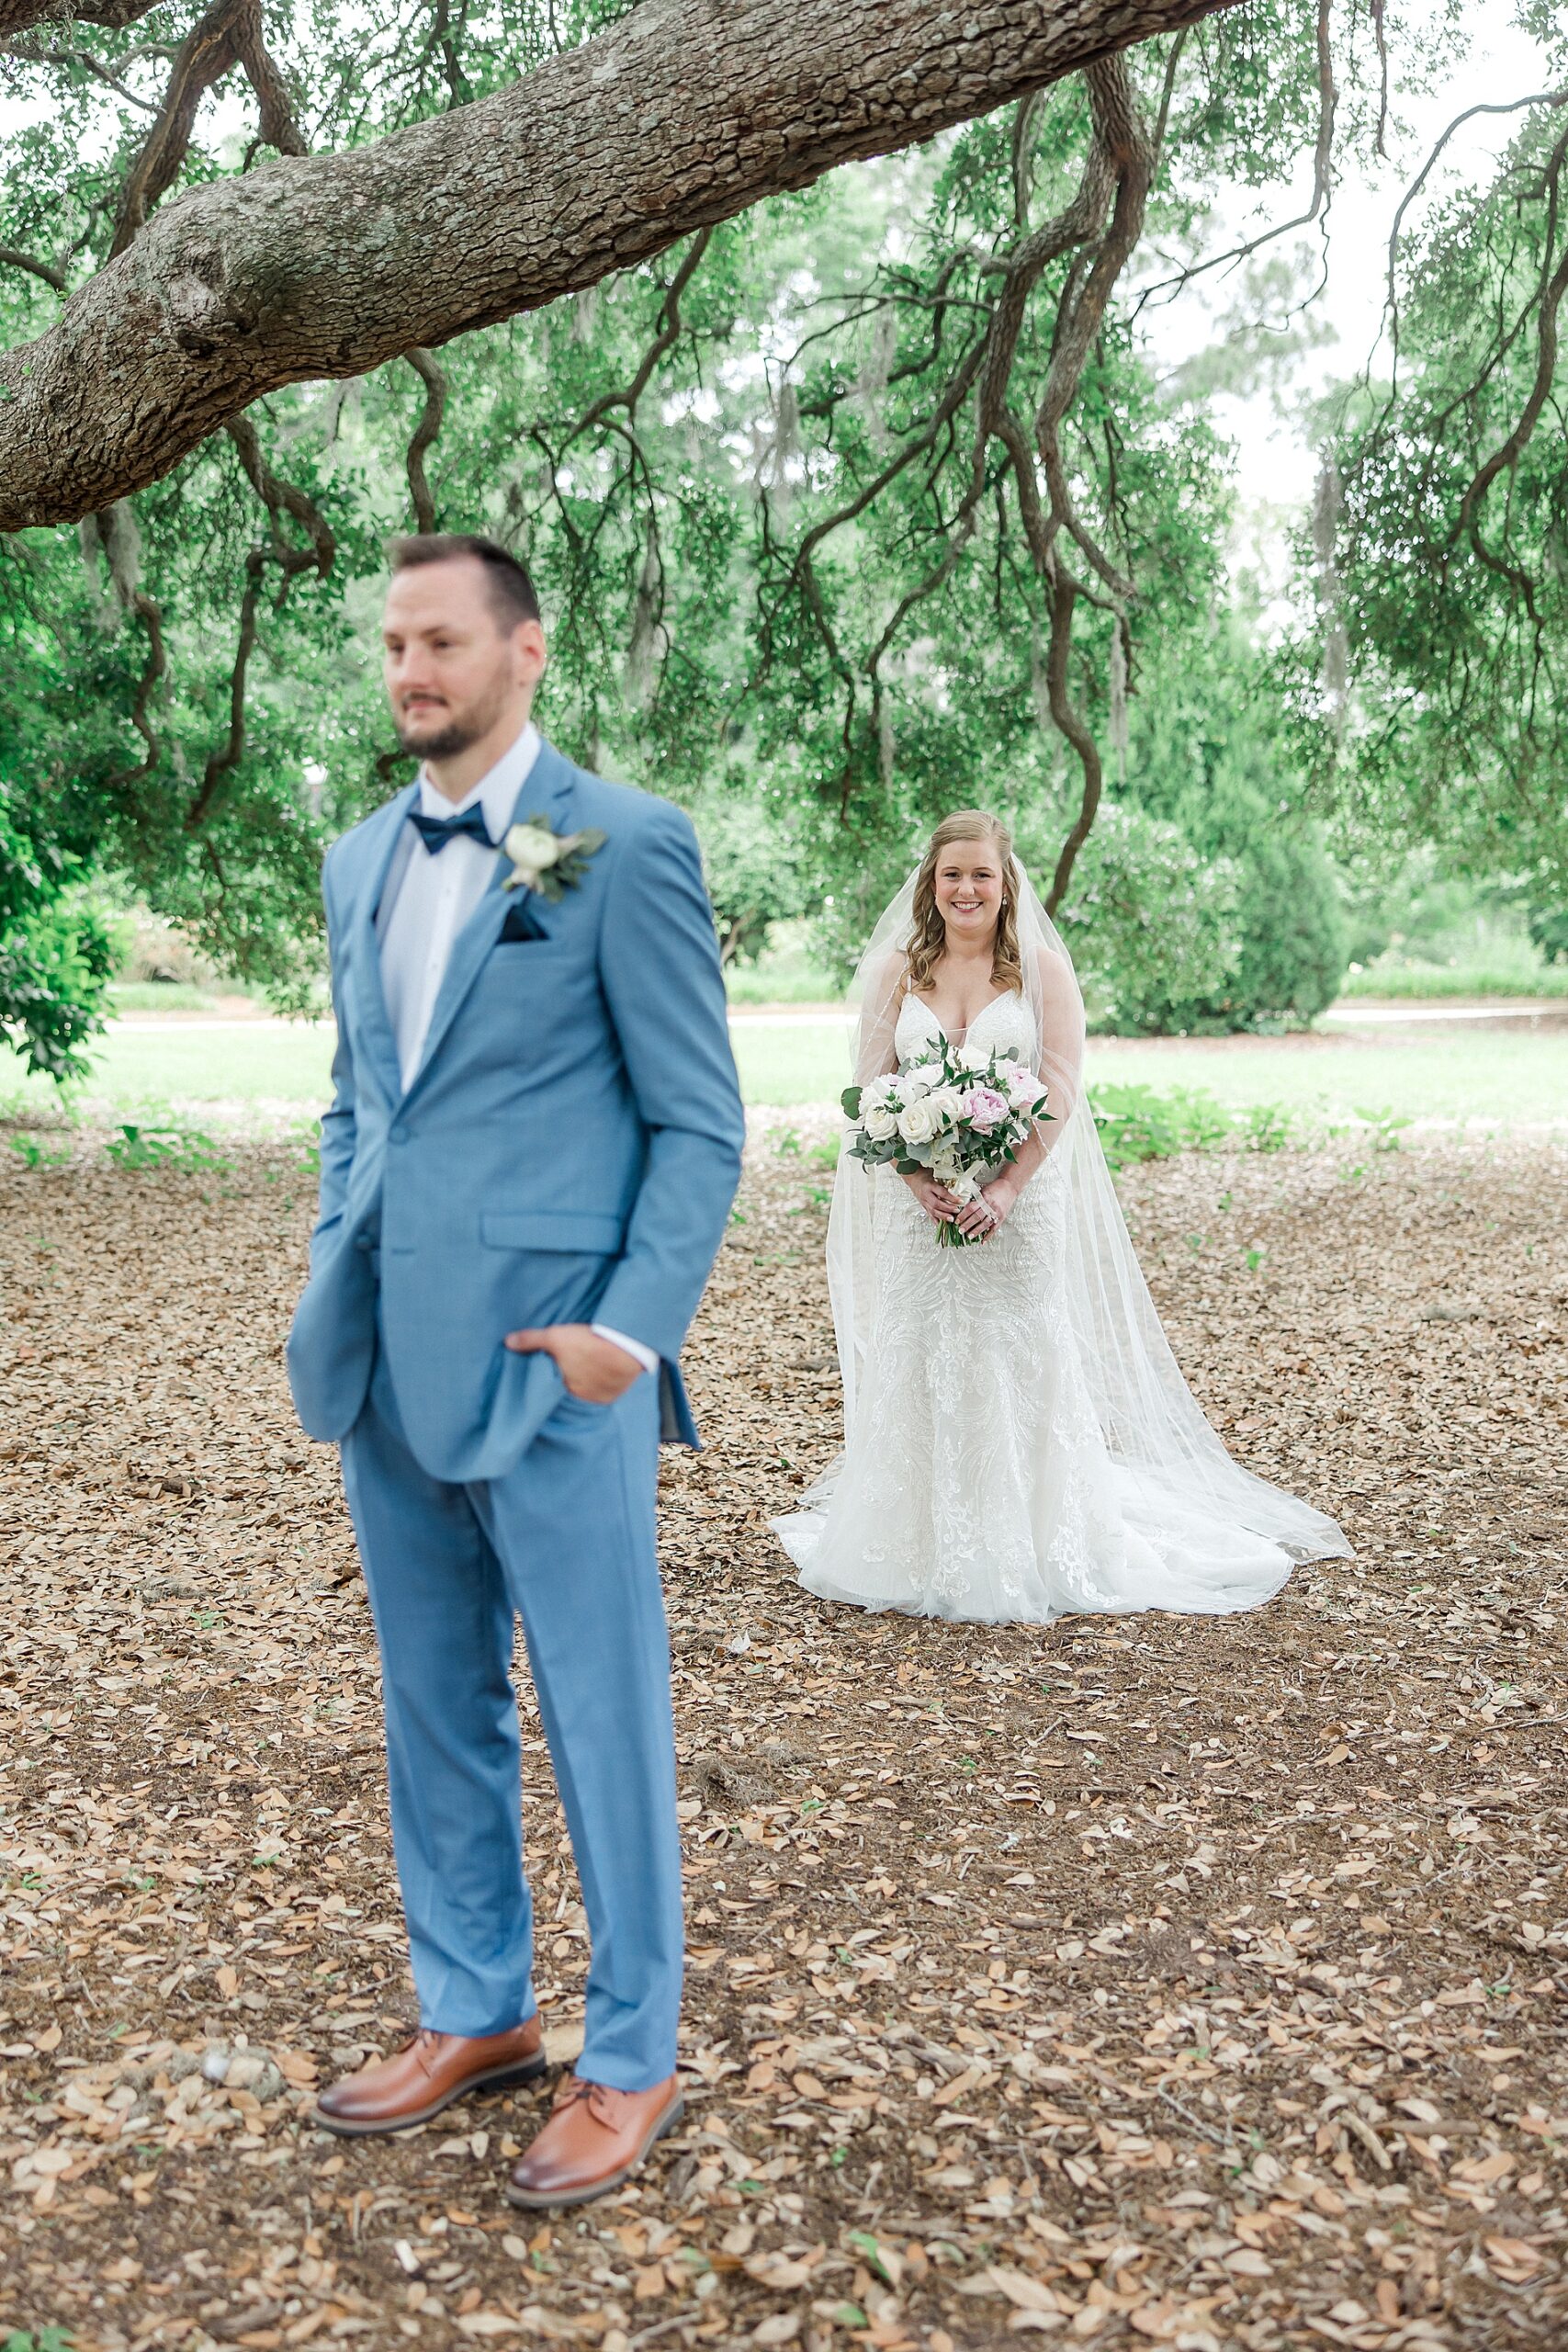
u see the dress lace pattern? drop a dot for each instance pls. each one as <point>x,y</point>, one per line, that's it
<point>978,1483</point>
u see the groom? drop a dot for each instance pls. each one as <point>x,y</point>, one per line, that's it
<point>526,1172</point>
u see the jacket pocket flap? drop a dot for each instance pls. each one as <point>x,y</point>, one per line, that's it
<point>592,1233</point>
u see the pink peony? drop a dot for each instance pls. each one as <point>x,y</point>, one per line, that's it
<point>985,1109</point>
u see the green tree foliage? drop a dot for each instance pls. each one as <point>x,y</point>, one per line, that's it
<point>867,504</point>
<point>1431,679</point>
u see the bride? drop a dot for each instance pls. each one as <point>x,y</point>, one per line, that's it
<point>1019,1442</point>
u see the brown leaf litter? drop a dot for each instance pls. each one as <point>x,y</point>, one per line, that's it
<point>1157,1981</point>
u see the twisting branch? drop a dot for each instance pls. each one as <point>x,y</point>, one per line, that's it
<point>1127,153</point>
<point>1072,724</point>
<point>41,53</point>
<point>1376,10</point>
<point>286,497</point>
<point>664,340</point>
<point>113,537</point>
<point>280,498</point>
<point>1321,180</point>
<point>1100,228</point>
<point>434,379</point>
<point>1117,176</point>
<point>1023,266</point>
<point>1508,451</point>
<point>231,751</point>
<point>1391,303</point>
<point>229,34</point>
<point>11,257</point>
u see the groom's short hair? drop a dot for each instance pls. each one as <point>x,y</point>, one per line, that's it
<point>507,582</point>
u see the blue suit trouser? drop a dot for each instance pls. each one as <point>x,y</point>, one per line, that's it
<point>566,1542</point>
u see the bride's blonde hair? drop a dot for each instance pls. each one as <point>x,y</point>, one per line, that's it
<point>928,940</point>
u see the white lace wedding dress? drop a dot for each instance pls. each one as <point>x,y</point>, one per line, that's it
<point>978,1480</point>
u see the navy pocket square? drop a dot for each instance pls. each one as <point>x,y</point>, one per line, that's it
<point>521,923</point>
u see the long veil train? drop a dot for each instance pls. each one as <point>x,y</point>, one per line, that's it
<point>1196,1531</point>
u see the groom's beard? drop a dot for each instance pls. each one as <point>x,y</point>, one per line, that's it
<point>445,744</point>
<point>461,728</point>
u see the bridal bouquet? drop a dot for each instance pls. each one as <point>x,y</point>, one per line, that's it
<point>957,1120</point>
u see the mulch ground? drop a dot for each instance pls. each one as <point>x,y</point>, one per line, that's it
<point>1187,1983</point>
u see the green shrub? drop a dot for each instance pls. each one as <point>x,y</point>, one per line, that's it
<point>755,868</point>
<point>1293,940</point>
<point>1149,924</point>
<point>1138,1123</point>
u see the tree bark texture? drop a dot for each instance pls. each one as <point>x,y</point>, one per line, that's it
<point>682,115</point>
<point>18,16</point>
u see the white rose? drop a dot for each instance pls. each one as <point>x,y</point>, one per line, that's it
<point>947,1105</point>
<point>532,849</point>
<point>919,1122</point>
<point>918,1080</point>
<point>878,1122</point>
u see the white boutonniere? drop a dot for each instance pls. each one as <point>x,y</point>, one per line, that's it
<point>549,862</point>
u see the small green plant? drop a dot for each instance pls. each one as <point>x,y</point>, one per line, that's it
<point>1267,1126</point>
<point>307,1134</point>
<point>788,1144</point>
<point>34,1154</point>
<point>182,1148</point>
<point>1255,1259</point>
<point>1385,1128</point>
<point>866,2246</point>
<point>48,2339</point>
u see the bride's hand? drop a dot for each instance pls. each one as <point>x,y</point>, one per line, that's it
<point>935,1199</point>
<point>979,1220</point>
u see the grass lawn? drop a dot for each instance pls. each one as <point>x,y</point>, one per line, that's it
<point>1512,1073</point>
<point>190,1065</point>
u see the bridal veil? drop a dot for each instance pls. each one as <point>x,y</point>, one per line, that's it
<point>1223,1538</point>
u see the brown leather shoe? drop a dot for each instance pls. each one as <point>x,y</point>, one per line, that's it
<point>594,2139</point>
<point>395,2094</point>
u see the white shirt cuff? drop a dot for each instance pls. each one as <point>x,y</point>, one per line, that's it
<point>645,1356</point>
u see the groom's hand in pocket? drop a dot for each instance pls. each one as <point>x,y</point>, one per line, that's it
<point>595,1371</point>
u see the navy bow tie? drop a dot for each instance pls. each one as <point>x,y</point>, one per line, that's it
<point>436,831</point>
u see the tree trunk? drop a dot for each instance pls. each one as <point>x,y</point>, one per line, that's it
<point>683,114</point>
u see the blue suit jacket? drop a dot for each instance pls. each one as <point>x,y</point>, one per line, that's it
<point>567,1151</point>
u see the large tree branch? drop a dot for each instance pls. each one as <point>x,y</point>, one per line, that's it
<point>329,266</point>
<point>15,15</point>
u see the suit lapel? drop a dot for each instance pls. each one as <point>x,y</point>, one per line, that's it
<point>383,834</point>
<point>546,792</point>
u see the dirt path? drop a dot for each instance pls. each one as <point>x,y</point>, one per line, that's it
<point>1154,1981</point>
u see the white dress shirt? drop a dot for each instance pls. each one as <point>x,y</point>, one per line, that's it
<point>426,901</point>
